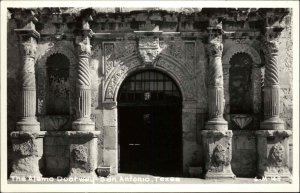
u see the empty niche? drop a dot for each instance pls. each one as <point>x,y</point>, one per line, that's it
<point>58,85</point>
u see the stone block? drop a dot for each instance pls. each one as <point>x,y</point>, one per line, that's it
<point>273,153</point>
<point>217,146</point>
<point>191,155</point>
<point>110,137</point>
<point>189,126</point>
<point>110,158</point>
<point>57,166</point>
<point>110,117</point>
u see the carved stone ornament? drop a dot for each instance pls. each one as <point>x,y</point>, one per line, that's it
<point>25,148</point>
<point>215,49</point>
<point>79,154</point>
<point>219,156</point>
<point>270,47</point>
<point>28,49</point>
<point>84,49</point>
<point>276,155</point>
<point>149,49</point>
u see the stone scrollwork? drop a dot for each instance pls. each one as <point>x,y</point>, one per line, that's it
<point>118,76</point>
<point>276,155</point>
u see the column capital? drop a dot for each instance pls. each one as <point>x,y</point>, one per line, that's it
<point>214,49</point>
<point>270,39</point>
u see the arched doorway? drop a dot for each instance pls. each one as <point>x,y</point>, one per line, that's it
<point>149,115</point>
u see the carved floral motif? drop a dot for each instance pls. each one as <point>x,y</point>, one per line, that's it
<point>80,154</point>
<point>276,155</point>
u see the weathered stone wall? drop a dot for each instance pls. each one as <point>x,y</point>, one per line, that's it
<point>182,56</point>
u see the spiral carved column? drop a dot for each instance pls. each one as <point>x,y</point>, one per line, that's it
<point>216,138</point>
<point>28,121</point>
<point>272,138</point>
<point>271,89</point>
<point>83,84</point>
<point>215,88</point>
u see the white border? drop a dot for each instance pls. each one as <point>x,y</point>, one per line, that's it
<point>150,187</point>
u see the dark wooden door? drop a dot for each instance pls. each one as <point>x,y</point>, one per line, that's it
<point>150,139</point>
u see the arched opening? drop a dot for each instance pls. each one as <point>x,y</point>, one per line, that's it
<point>58,86</point>
<point>149,115</point>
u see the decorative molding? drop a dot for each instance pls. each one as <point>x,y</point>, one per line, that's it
<point>241,48</point>
<point>175,70</point>
<point>183,78</point>
<point>116,76</point>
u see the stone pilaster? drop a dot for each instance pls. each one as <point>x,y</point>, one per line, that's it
<point>217,140</point>
<point>27,140</point>
<point>83,83</point>
<point>272,139</point>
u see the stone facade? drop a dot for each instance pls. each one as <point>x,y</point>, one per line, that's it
<point>195,47</point>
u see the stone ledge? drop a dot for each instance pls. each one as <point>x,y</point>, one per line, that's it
<point>215,133</point>
<point>83,134</point>
<point>27,134</point>
<point>266,133</point>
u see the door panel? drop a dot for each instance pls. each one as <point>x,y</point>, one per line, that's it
<point>150,139</point>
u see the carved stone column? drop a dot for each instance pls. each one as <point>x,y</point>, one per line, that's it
<point>272,139</point>
<point>83,138</point>
<point>216,138</point>
<point>83,83</point>
<point>27,141</point>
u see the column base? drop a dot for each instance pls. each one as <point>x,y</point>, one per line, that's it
<point>29,124</point>
<point>27,151</point>
<point>273,153</point>
<point>83,124</point>
<point>273,123</point>
<point>216,124</point>
<point>218,153</point>
<point>225,172</point>
<point>83,153</point>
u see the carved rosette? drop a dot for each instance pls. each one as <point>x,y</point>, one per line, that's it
<point>149,49</point>
<point>276,155</point>
<point>80,154</point>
